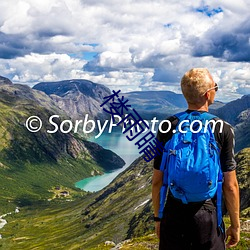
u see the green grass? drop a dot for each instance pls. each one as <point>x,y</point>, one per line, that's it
<point>31,183</point>
<point>51,225</point>
<point>244,243</point>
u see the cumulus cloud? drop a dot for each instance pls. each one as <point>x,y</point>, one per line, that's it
<point>35,68</point>
<point>139,45</point>
<point>231,45</point>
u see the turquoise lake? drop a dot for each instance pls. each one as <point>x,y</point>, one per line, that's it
<point>118,143</point>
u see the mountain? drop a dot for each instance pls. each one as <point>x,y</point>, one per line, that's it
<point>237,113</point>
<point>216,105</point>
<point>243,175</point>
<point>159,104</point>
<point>4,80</point>
<point>80,97</point>
<point>31,164</point>
<point>77,97</point>
<point>242,130</point>
<point>232,110</point>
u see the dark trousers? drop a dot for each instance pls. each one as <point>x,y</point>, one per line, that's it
<point>190,227</point>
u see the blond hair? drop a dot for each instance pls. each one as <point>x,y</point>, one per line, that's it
<point>195,83</point>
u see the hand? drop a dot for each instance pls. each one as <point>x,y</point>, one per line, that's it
<point>157,228</point>
<point>233,236</point>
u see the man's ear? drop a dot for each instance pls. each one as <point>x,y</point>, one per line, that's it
<point>207,95</point>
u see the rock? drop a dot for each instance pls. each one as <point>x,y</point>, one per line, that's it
<point>77,97</point>
<point>106,158</point>
<point>109,243</point>
<point>243,176</point>
<point>4,80</point>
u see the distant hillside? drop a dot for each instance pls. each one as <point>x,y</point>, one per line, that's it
<point>243,175</point>
<point>237,113</point>
<point>4,80</point>
<point>77,97</point>
<point>31,163</point>
<point>216,105</point>
<point>232,110</point>
<point>159,104</point>
<point>242,130</point>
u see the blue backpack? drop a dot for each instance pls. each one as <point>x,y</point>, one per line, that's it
<point>191,162</point>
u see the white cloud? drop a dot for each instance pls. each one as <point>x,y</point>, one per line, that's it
<point>34,68</point>
<point>141,45</point>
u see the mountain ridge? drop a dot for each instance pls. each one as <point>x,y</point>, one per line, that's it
<point>230,111</point>
<point>77,97</point>
<point>4,80</point>
<point>237,113</point>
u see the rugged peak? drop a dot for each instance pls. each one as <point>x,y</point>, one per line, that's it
<point>77,97</point>
<point>4,80</point>
<point>66,87</point>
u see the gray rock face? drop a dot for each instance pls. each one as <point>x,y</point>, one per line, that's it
<point>77,97</point>
<point>232,110</point>
<point>242,130</point>
<point>243,176</point>
<point>237,114</point>
<point>4,80</point>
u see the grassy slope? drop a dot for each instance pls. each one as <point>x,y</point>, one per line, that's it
<point>56,225</point>
<point>243,175</point>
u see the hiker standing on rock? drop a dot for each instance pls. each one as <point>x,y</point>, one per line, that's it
<point>197,166</point>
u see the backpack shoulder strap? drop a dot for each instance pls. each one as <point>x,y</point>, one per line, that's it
<point>182,115</point>
<point>209,116</point>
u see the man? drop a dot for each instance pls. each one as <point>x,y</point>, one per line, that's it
<point>194,225</point>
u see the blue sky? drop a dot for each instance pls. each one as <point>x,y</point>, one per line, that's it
<point>127,45</point>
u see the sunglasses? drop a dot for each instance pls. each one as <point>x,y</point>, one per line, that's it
<point>216,87</point>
